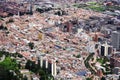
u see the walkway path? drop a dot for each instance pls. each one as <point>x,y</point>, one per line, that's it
<point>2,58</point>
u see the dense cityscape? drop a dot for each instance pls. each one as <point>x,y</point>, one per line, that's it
<point>59,39</point>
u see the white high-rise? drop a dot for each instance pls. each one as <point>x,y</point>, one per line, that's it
<point>53,69</point>
<point>41,62</point>
<point>106,50</point>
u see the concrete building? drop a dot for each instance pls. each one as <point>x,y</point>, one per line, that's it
<point>115,60</point>
<point>52,68</point>
<point>116,40</point>
<point>49,65</point>
<point>116,70</point>
<point>100,73</point>
<point>26,73</point>
<point>112,77</point>
<point>91,47</point>
<point>106,50</point>
<point>68,27</point>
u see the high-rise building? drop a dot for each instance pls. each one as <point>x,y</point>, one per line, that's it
<point>50,65</point>
<point>41,61</point>
<point>52,68</point>
<point>116,39</point>
<point>106,50</point>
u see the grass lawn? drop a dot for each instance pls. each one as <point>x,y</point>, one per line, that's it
<point>91,5</point>
<point>102,60</point>
<point>103,63</point>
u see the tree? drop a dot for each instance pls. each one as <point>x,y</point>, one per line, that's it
<point>19,55</point>
<point>1,54</point>
<point>31,45</point>
<point>103,78</point>
<point>78,56</point>
<point>9,64</point>
<point>88,79</point>
<point>25,78</point>
<point>31,66</point>
<point>28,65</point>
<point>2,27</point>
<point>58,13</point>
<point>40,10</point>
<point>38,64</point>
<point>5,74</point>
<point>11,20</point>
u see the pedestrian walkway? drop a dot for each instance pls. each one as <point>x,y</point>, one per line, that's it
<point>2,58</point>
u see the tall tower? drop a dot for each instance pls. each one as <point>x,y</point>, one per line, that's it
<point>53,68</point>
<point>46,64</point>
<point>41,61</point>
<point>116,39</point>
<point>106,50</point>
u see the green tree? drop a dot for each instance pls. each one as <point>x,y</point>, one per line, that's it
<point>31,45</point>
<point>78,56</point>
<point>25,78</point>
<point>5,74</point>
<point>1,54</point>
<point>9,64</point>
<point>103,78</point>
<point>28,65</point>
<point>88,79</point>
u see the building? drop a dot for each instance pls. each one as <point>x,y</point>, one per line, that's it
<point>112,77</point>
<point>91,47</point>
<point>52,68</point>
<point>115,40</point>
<point>100,73</point>
<point>116,70</point>
<point>115,60</point>
<point>106,50</point>
<point>69,26</point>
<point>49,65</point>
<point>95,38</point>
<point>26,73</point>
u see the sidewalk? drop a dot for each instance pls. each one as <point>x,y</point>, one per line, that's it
<point>2,58</point>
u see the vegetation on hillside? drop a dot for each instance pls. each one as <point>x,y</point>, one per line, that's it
<point>99,7</point>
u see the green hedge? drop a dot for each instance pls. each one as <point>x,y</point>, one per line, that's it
<point>87,63</point>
